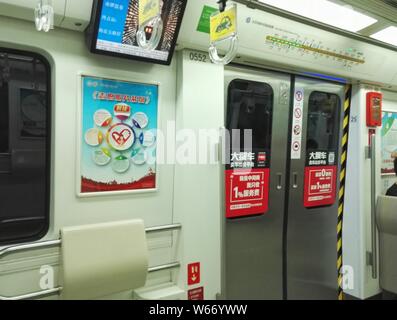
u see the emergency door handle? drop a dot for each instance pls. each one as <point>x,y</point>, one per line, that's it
<point>295,180</point>
<point>279,181</point>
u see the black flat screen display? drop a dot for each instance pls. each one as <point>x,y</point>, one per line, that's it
<point>115,23</point>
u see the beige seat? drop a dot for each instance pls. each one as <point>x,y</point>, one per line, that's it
<point>102,259</point>
<point>387,225</point>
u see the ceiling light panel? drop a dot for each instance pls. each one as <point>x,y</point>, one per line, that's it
<point>343,17</point>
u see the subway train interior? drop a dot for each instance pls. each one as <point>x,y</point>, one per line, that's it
<point>198,150</point>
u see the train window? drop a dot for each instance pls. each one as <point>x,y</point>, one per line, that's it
<point>250,107</point>
<point>24,146</point>
<point>323,122</point>
<point>3,117</point>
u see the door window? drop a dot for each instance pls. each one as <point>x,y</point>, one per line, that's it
<point>323,122</point>
<point>321,150</point>
<point>250,107</point>
<point>250,110</point>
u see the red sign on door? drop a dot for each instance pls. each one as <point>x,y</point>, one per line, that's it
<point>246,192</point>
<point>320,186</point>
<point>196,294</point>
<point>193,273</point>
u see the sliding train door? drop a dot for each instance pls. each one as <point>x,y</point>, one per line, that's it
<point>253,230</point>
<point>311,253</point>
<point>279,235</point>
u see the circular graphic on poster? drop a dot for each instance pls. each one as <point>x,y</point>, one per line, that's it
<point>147,139</point>
<point>93,137</point>
<point>102,118</point>
<point>122,111</point>
<point>121,164</point>
<point>120,137</point>
<point>139,157</point>
<point>101,157</point>
<point>140,120</point>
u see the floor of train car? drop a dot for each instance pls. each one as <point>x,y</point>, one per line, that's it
<point>382,296</point>
<point>389,296</point>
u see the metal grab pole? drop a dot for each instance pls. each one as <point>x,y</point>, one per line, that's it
<point>374,254</point>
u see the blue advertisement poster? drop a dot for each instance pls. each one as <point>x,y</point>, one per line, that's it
<point>118,143</point>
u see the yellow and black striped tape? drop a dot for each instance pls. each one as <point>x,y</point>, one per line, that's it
<point>342,179</point>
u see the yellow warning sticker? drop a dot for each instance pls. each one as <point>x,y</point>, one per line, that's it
<point>223,24</point>
<point>148,9</point>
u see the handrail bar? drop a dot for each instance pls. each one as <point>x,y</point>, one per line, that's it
<point>373,255</point>
<point>168,227</point>
<point>51,243</point>
<point>29,246</point>
<point>58,242</point>
<point>32,295</point>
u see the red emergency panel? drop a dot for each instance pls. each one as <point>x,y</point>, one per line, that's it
<point>374,109</point>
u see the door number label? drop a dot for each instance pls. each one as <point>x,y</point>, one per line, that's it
<point>198,56</point>
<point>297,122</point>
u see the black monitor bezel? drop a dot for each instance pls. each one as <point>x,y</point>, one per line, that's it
<point>92,37</point>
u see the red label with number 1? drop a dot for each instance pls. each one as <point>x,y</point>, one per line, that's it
<point>246,192</point>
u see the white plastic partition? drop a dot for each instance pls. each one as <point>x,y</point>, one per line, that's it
<point>55,243</point>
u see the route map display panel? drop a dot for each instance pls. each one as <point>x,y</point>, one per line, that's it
<point>295,43</point>
<point>349,57</point>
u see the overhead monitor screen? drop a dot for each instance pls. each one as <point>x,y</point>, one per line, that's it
<point>144,30</point>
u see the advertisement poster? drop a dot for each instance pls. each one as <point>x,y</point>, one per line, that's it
<point>320,179</point>
<point>389,141</point>
<point>247,184</point>
<point>320,186</point>
<point>118,136</point>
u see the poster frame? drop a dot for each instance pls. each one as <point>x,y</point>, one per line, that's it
<point>79,132</point>
<point>385,174</point>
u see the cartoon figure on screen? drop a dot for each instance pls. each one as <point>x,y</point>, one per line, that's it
<point>143,28</point>
<point>150,24</point>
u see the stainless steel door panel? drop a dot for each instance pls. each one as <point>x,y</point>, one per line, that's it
<point>253,247</point>
<point>311,236</point>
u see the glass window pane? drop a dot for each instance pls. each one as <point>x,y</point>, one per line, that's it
<point>3,118</point>
<point>323,122</point>
<point>24,146</point>
<point>250,107</point>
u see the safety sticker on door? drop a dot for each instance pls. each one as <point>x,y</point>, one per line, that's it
<point>247,192</point>
<point>320,186</point>
<point>297,122</point>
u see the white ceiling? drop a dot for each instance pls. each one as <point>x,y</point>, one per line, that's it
<point>385,11</point>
